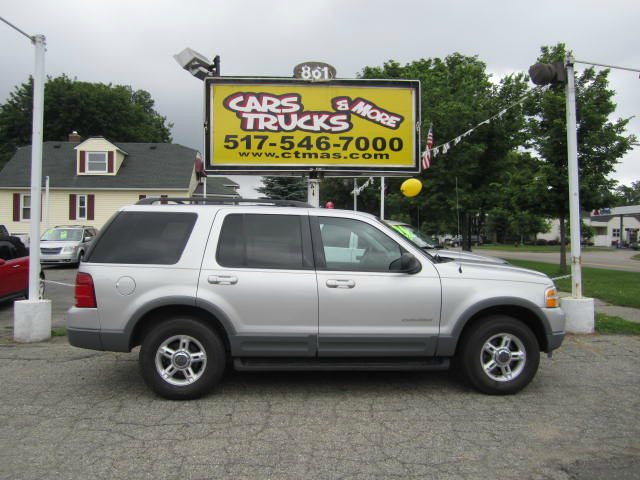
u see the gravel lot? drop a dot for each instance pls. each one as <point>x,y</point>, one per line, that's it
<point>71,413</point>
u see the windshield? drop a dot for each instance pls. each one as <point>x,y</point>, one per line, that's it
<point>62,235</point>
<point>415,235</point>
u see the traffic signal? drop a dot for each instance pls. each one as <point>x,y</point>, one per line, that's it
<point>548,73</point>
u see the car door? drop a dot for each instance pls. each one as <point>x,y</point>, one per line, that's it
<point>14,272</point>
<point>258,273</point>
<point>365,309</point>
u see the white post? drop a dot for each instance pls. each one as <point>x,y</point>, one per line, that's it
<point>45,213</point>
<point>579,311</point>
<point>381,198</point>
<point>36,168</point>
<point>574,182</point>
<point>355,194</point>
<point>32,318</point>
<point>313,192</point>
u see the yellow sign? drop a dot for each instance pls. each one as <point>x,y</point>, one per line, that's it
<point>291,125</point>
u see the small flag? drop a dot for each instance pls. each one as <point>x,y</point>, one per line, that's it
<point>426,156</point>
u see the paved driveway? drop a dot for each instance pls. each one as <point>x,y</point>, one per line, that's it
<point>77,414</point>
<point>611,259</point>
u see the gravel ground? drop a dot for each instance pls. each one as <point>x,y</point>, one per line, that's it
<point>76,414</point>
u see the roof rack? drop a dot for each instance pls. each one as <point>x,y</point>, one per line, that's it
<point>221,200</point>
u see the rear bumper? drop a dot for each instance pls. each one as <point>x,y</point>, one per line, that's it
<point>83,338</point>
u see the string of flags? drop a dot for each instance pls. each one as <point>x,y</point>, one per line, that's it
<point>358,190</point>
<point>430,153</point>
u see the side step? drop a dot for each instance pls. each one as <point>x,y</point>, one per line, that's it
<point>339,364</point>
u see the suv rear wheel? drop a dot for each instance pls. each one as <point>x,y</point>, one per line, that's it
<point>181,358</point>
<point>499,355</point>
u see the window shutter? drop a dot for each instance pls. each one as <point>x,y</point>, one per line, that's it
<point>110,162</point>
<point>72,206</point>
<point>91,206</point>
<point>16,207</point>
<point>83,161</point>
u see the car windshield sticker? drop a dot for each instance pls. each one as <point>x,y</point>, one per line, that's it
<point>63,235</point>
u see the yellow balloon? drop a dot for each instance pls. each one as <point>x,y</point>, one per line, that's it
<point>411,187</point>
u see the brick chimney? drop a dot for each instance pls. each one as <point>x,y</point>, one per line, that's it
<point>74,137</point>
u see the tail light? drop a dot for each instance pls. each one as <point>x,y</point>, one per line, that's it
<point>85,293</point>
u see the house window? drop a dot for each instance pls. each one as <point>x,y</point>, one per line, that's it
<point>97,162</point>
<point>616,232</point>
<point>25,207</point>
<point>81,207</point>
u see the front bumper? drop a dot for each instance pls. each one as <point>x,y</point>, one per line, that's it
<point>59,258</point>
<point>555,318</point>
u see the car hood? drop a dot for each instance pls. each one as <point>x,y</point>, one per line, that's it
<point>57,244</point>
<point>465,257</point>
<point>490,271</point>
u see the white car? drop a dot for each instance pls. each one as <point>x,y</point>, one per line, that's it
<point>422,241</point>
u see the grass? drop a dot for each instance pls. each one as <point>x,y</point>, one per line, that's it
<point>612,286</point>
<point>636,257</point>
<point>610,324</point>
<point>538,248</point>
<point>59,332</point>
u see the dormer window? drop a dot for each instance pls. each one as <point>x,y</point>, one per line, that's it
<point>97,162</point>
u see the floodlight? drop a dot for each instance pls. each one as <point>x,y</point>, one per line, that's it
<point>196,64</point>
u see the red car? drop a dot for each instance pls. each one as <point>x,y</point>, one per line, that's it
<point>14,270</point>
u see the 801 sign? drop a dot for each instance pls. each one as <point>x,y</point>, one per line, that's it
<point>314,72</point>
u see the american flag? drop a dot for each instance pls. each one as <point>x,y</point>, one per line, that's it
<point>426,156</point>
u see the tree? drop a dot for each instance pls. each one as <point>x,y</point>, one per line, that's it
<point>601,142</point>
<point>114,111</point>
<point>284,188</point>
<point>457,95</point>
<point>627,195</point>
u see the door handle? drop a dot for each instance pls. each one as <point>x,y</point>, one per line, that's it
<point>341,283</point>
<point>222,279</point>
<point>16,266</point>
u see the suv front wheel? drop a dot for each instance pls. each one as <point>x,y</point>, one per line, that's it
<point>499,355</point>
<point>181,358</point>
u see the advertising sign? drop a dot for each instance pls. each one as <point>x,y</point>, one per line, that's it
<point>336,127</point>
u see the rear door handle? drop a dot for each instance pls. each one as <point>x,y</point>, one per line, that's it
<point>341,283</point>
<point>222,279</point>
<point>16,266</point>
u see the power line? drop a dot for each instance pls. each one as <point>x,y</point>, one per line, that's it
<point>17,29</point>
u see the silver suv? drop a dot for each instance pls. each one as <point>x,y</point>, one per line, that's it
<point>282,286</point>
<point>65,244</point>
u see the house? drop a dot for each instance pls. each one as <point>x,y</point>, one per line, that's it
<point>607,223</point>
<point>89,180</point>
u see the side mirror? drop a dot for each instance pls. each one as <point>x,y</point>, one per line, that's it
<point>407,263</point>
<point>87,239</point>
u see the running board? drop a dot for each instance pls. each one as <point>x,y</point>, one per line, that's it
<point>338,364</point>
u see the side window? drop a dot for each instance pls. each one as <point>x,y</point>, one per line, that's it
<point>144,238</point>
<point>354,245</point>
<point>262,241</point>
<point>7,251</point>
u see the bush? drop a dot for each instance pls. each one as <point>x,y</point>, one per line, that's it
<point>553,242</point>
<point>541,241</point>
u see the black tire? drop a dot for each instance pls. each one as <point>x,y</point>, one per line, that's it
<point>80,257</point>
<point>496,330</point>
<point>204,339</point>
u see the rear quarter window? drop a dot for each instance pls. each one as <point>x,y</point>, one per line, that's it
<point>144,238</point>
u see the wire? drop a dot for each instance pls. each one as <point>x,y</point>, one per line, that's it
<point>17,29</point>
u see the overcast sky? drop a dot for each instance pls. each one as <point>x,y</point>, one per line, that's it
<point>133,42</point>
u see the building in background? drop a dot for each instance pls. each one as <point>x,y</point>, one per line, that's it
<point>89,180</point>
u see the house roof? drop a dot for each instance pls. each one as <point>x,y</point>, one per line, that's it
<point>219,186</point>
<point>147,166</point>
<point>103,138</point>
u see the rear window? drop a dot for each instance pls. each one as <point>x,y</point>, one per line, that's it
<point>144,238</point>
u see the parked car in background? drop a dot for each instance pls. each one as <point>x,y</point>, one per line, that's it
<point>14,269</point>
<point>66,244</point>
<point>422,241</point>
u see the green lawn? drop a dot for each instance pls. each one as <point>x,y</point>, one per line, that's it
<point>611,286</point>
<point>537,248</point>
<point>610,324</point>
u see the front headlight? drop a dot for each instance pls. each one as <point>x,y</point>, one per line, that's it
<point>551,297</point>
<point>68,249</point>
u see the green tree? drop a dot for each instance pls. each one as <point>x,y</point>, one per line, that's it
<point>284,188</point>
<point>457,95</point>
<point>627,195</point>
<point>115,111</point>
<point>601,142</point>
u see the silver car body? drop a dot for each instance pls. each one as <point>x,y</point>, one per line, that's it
<point>301,313</point>
<point>66,251</point>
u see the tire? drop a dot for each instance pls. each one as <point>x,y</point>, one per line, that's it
<point>499,355</point>
<point>80,257</point>
<point>190,354</point>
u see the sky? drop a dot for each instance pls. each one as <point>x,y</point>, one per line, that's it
<point>133,43</point>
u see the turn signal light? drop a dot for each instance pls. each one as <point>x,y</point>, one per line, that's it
<point>84,292</point>
<point>551,297</point>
